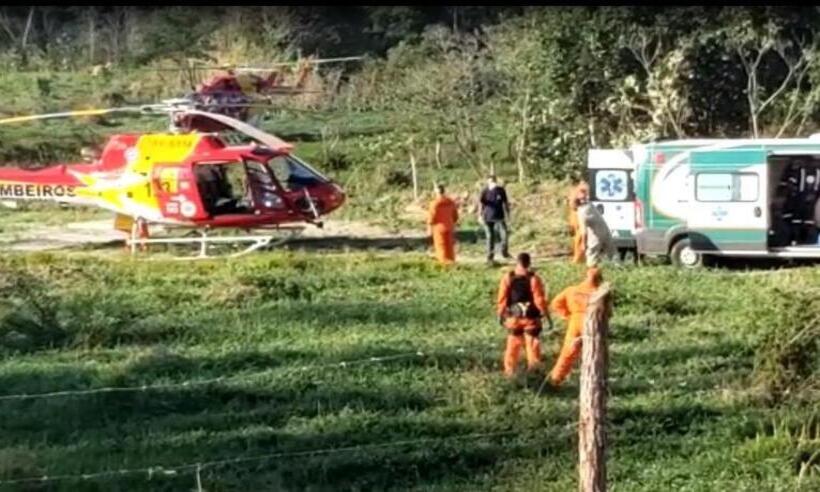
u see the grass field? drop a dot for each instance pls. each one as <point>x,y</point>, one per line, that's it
<point>689,406</point>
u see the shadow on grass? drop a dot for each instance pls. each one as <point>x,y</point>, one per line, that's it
<point>685,368</point>
<point>633,426</point>
<point>762,264</point>
<point>669,356</point>
<point>343,242</point>
<point>335,315</point>
<point>441,461</point>
<point>300,385</point>
<point>297,412</point>
<point>291,373</point>
<point>629,333</point>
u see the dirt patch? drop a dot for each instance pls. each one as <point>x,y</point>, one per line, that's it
<point>42,238</point>
<point>335,235</point>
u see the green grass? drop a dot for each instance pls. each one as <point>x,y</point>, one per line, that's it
<point>685,411</point>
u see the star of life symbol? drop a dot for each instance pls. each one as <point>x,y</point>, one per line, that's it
<point>719,213</point>
<point>611,185</point>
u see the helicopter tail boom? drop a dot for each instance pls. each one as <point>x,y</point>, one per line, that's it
<point>54,184</point>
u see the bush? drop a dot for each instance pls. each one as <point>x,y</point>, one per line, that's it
<point>28,313</point>
<point>399,179</point>
<point>337,161</point>
<point>788,362</point>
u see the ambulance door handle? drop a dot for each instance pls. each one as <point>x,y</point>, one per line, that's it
<point>758,212</point>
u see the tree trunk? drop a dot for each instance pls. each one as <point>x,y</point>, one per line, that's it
<point>91,36</point>
<point>27,30</point>
<point>592,400</point>
<point>755,132</point>
<point>190,66</point>
<point>415,176</point>
<point>24,39</point>
<point>129,30</point>
<point>438,154</point>
<point>522,139</point>
<point>591,123</point>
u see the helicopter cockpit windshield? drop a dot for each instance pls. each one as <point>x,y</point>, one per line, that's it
<point>251,187</point>
<point>294,174</point>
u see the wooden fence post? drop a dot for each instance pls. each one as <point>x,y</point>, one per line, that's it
<point>592,400</point>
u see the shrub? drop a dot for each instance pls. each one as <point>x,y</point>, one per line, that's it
<point>788,361</point>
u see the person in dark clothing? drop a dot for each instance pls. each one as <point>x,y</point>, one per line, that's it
<point>494,210</point>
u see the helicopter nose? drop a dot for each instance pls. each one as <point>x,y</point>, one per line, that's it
<point>336,197</point>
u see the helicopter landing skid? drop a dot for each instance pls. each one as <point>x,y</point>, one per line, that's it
<point>257,242</point>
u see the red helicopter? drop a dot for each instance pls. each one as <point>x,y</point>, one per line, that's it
<point>192,178</point>
<point>239,91</point>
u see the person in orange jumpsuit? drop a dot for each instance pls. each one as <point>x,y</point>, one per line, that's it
<point>441,224</point>
<point>577,192</point>
<point>571,305</point>
<point>522,302</point>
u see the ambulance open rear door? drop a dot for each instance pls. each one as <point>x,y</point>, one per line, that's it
<point>611,178</point>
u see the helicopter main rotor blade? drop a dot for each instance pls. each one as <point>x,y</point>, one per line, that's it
<point>274,143</point>
<point>276,90</point>
<point>250,68</point>
<point>309,62</point>
<point>72,114</point>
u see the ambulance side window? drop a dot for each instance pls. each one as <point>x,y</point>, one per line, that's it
<point>726,187</point>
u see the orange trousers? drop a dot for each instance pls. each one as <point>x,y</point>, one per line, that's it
<point>444,243</point>
<point>512,354</point>
<point>578,253</point>
<point>570,351</point>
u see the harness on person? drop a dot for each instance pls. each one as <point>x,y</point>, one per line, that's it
<point>520,298</point>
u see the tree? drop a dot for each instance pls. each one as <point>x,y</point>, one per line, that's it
<point>438,90</point>
<point>18,36</point>
<point>516,50</point>
<point>664,97</point>
<point>760,50</point>
<point>164,38</point>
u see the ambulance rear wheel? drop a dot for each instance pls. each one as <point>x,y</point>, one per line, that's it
<point>683,255</point>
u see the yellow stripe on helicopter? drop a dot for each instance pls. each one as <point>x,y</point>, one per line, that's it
<point>136,183</point>
<point>163,149</point>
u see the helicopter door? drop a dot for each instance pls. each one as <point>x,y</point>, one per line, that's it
<point>265,193</point>
<point>176,193</point>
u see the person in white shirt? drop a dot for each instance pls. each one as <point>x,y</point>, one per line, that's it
<point>598,242</point>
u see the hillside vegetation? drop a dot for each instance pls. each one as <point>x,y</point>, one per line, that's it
<point>524,91</point>
<point>460,91</point>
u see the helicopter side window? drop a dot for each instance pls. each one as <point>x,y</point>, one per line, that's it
<point>223,188</point>
<point>237,183</point>
<point>293,174</point>
<point>259,174</point>
<point>265,190</point>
